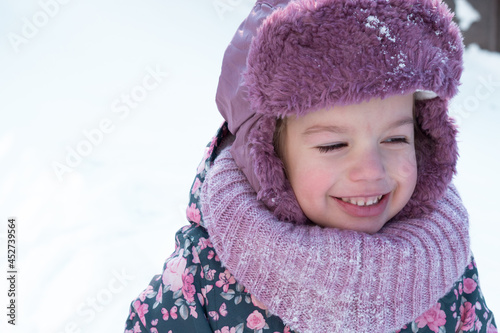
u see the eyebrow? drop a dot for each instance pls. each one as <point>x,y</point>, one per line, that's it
<point>402,122</point>
<point>341,129</point>
<point>324,128</point>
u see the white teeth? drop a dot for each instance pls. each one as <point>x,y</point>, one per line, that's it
<point>363,201</point>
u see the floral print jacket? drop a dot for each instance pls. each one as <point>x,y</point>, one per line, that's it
<point>195,293</point>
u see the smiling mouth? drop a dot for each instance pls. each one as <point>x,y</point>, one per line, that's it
<point>363,201</point>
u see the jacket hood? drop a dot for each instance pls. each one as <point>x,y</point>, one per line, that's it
<point>294,57</point>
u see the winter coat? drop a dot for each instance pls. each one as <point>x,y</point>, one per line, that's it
<point>195,293</point>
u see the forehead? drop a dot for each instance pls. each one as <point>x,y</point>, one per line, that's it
<point>395,110</point>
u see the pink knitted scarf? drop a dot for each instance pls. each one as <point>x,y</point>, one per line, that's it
<point>328,280</point>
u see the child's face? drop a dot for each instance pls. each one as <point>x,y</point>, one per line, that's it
<point>353,167</point>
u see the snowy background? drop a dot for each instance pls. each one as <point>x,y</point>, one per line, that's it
<point>106,107</point>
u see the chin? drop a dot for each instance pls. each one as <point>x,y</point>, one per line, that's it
<point>368,229</point>
<point>372,231</point>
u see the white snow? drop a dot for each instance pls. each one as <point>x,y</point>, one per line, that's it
<point>466,14</point>
<point>89,244</point>
<point>373,22</point>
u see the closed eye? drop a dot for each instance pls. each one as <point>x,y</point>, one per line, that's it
<point>329,148</point>
<point>401,139</point>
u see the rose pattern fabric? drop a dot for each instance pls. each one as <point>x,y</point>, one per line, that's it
<point>433,318</point>
<point>195,293</point>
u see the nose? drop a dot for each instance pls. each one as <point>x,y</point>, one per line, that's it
<point>367,165</point>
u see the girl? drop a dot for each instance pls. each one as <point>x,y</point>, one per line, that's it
<point>342,76</point>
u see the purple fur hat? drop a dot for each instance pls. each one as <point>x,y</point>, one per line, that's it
<point>294,57</point>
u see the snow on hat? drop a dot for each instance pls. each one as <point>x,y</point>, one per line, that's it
<point>291,58</point>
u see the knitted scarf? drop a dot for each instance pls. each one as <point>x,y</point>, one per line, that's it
<point>329,280</point>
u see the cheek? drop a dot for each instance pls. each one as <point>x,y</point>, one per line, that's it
<point>305,178</point>
<point>311,192</point>
<point>308,179</point>
<point>404,168</point>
